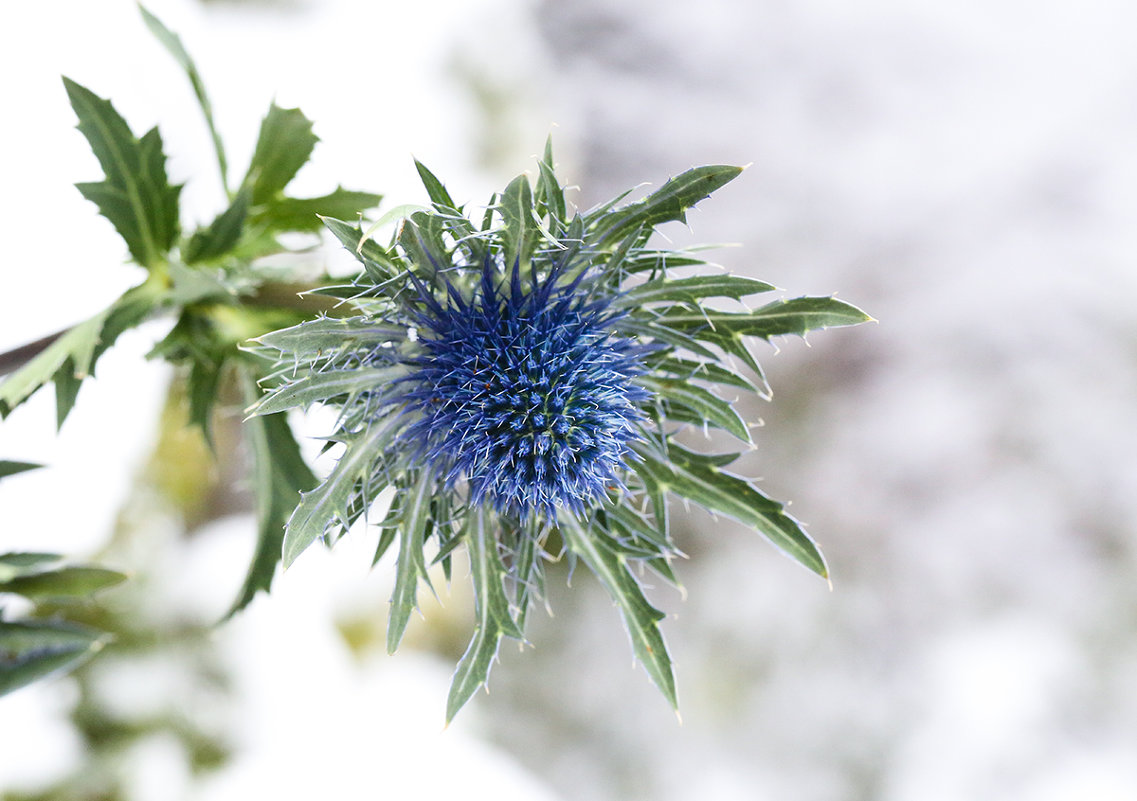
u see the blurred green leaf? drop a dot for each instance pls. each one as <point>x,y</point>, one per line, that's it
<point>32,650</point>
<point>303,214</point>
<point>22,563</point>
<point>62,583</point>
<point>136,195</point>
<point>9,468</point>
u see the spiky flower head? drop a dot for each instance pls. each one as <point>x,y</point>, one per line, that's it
<point>526,393</point>
<point>527,376</point>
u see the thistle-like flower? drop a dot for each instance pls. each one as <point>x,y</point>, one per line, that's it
<point>526,376</point>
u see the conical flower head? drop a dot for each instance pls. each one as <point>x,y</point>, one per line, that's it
<point>526,393</point>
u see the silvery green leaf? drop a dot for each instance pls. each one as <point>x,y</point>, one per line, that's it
<point>795,316</point>
<point>707,407</point>
<point>640,617</point>
<point>326,335</point>
<point>492,616</point>
<point>411,564</point>
<point>700,479</point>
<point>316,387</point>
<point>691,290</point>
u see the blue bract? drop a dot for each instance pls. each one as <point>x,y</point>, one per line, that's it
<point>528,379</point>
<point>525,392</point>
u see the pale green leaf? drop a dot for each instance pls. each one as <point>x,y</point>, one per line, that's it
<point>411,564</point>
<point>65,582</point>
<point>317,387</point>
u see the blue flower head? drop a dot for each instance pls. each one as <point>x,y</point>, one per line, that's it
<point>526,381</point>
<point>526,392</point>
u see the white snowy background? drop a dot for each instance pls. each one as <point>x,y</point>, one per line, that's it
<point>963,171</point>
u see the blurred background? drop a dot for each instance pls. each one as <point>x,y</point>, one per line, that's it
<point>965,172</point>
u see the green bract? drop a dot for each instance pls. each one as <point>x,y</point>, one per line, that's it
<point>518,381</point>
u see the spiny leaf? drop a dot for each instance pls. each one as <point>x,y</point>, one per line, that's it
<point>32,650</point>
<point>521,232</point>
<point>411,565</point>
<point>640,617</point>
<point>794,316</point>
<point>136,196</point>
<point>434,188</point>
<point>698,478</point>
<point>702,371</point>
<point>329,500</point>
<point>691,290</point>
<point>328,334</point>
<point>707,407</point>
<point>315,387</point>
<point>667,204</point>
<point>493,620</point>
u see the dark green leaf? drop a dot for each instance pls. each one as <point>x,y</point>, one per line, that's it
<point>32,650</point>
<point>280,474</point>
<point>708,408</point>
<point>284,145</point>
<point>9,468</point>
<point>640,617</point>
<point>222,234</point>
<point>378,262</point>
<point>703,371</point>
<point>303,214</point>
<point>174,45</point>
<point>136,196</point>
<point>700,479</point>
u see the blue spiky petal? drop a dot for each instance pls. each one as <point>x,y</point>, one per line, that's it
<point>524,392</point>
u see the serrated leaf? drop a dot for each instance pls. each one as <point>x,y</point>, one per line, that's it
<point>794,316</point>
<point>374,258</point>
<point>222,235</point>
<point>284,145</point>
<point>640,618</point>
<point>708,408</point>
<point>701,480</point>
<point>646,329</point>
<point>411,564</point>
<point>173,44</point>
<point>667,204</point>
<point>711,372</point>
<point>323,505</point>
<point>328,334</point>
<point>136,196</point>
<point>492,617</point>
<point>316,387</point>
<point>521,233</point>
<point>303,214</point>
<point>32,650</point>
<point>72,356</point>
<point>280,475</point>
<point>691,290</point>
<point>550,195</point>
<point>62,583</point>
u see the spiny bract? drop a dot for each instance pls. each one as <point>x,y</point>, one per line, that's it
<point>527,376</point>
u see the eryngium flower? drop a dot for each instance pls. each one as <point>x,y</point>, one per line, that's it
<point>518,385</point>
<point>525,392</point>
